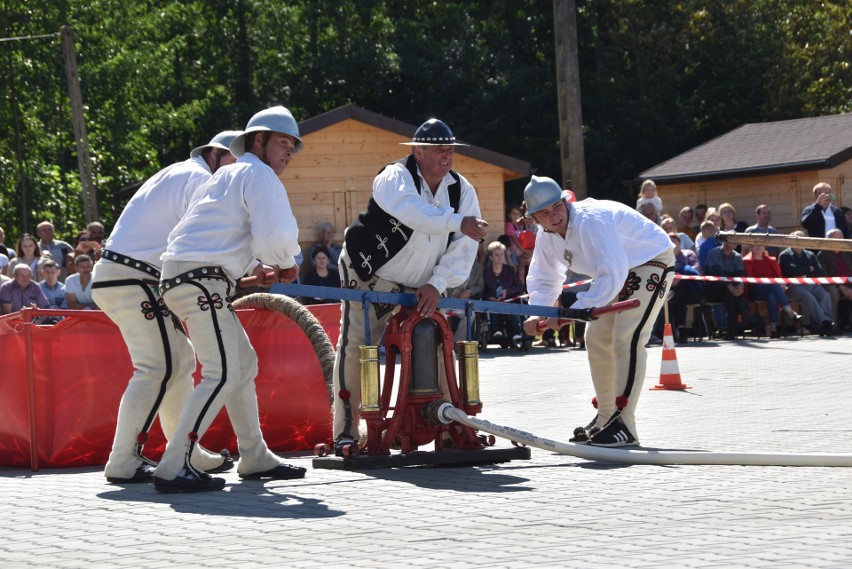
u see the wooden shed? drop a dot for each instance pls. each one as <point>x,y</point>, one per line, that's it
<point>332,178</point>
<point>775,163</point>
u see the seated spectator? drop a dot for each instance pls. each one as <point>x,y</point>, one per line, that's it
<point>510,259</point>
<point>705,242</point>
<point>86,245</point>
<point>21,291</point>
<point>684,222</point>
<point>724,261</point>
<point>758,264</point>
<point>8,251</point>
<point>96,231</point>
<point>838,264</point>
<point>648,194</point>
<point>728,216</point>
<point>4,263</point>
<point>28,253</point>
<point>670,226</point>
<point>60,251</point>
<point>78,287</point>
<point>471,288</point>
<point>683,292</point>
<point>53,289</point>
<point>847,214</point>
<point>700,216</point>
<point>521,239</point>
<point>648,210</point>
<point>321,275</point>
<point>501,282</point>
<point>326,241</point>
<point>763,218</point>
<point>814,299</point>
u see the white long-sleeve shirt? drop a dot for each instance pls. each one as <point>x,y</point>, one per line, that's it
<point>143,228</point>
<point>425,258</point>
<point>239,218</point>
<point>604,240</point>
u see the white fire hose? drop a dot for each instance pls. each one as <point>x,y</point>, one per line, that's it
<point>447,414</point>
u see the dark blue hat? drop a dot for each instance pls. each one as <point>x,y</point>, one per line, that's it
<point>434,133</point>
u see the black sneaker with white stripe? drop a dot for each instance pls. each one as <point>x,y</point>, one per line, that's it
<point>613,434</point>
<point>581,434</point>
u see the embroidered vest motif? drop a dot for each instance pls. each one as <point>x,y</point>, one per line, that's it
<point>376,237</point>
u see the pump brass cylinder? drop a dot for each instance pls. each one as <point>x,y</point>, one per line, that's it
<point>370,378</point>
<point>468,355</point>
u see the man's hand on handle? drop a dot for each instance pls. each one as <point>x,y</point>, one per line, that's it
<point>427,300</point>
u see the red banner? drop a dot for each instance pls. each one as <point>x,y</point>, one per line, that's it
<point>61,386</point>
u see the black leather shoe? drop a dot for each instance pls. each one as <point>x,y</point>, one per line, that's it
<point>227,463</point>
<point>143,475</point>
<point>187,481</point>
<point>280,472</point>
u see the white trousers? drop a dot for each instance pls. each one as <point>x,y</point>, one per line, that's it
<point>228,368</point>
<point>163,362</point>
<point>347,363</point>
<point>616,341</point>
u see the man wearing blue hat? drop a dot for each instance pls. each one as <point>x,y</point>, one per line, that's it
<point>240,222</point>
<point>124,286</point>
<point>419,234</point>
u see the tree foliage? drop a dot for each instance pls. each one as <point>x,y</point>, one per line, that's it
<point>161,76</point>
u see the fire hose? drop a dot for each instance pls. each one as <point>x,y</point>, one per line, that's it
<point>447,414</point>
<point>303,318</point>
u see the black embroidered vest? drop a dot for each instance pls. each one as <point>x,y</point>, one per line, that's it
<point>376,237</point>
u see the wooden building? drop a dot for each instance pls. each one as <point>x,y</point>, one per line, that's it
<point>776,164</point>
<point>332,178</point>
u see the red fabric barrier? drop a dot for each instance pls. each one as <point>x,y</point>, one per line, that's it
<point>70,376</point>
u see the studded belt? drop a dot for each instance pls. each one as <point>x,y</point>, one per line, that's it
<point>130,262</point>
<point>210,272</point>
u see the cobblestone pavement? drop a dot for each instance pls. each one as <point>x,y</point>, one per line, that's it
<point>788,395</point>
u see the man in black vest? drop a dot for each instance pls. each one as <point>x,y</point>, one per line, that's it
<point>419,234</point>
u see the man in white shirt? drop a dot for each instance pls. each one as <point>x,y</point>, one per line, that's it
<point>629,257</point>
<point>419,234</point>
<point>239,223</point>
<point>125,282</point>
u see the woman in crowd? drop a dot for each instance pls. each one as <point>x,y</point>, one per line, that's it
<point>758,264</point>
<point>28,253</point>
<point>501,283</point>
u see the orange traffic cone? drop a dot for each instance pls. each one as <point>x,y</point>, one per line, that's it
<point>669,372</point>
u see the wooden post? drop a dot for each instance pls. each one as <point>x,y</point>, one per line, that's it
<point>84,161</point>
<point>568,94</point>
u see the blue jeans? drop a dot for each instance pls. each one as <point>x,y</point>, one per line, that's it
<point>773,295</point>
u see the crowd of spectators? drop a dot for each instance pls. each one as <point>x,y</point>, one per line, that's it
<point>45,272</point>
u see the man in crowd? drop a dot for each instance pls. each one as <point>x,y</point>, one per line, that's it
<point>822,216</point>
<point>60,251</point>
<point>21,291</point>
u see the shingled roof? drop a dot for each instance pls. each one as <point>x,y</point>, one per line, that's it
<point>512,167</point>
<point>762,148</point>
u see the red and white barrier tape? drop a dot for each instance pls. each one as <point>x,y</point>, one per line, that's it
<point>750,280</point>
<point>767,280</point>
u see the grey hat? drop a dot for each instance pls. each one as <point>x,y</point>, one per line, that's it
<point>221,140</point>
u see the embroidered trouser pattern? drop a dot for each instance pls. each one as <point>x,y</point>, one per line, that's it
<point>228,368</point>
<point>616,341</point>
<point>347,366</point>
<point>162,359</point>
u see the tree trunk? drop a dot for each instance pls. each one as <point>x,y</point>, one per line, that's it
<point>568,93</point>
